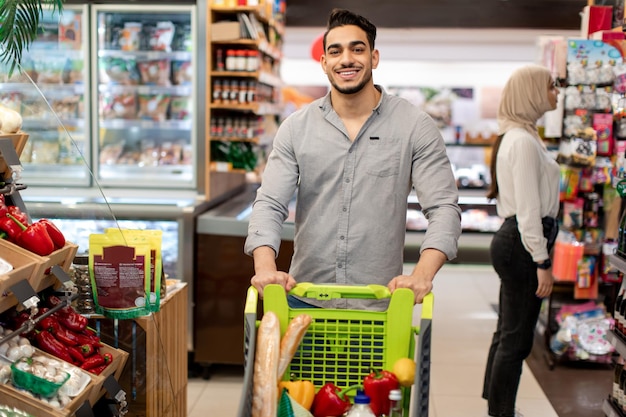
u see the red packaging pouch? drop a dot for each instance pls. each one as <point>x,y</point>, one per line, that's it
<point>120,276</point>
<point>152,238</point>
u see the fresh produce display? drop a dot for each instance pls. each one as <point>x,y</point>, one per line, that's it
<point>15,349</point>
<point>65,335</point>
<point>41,237</point>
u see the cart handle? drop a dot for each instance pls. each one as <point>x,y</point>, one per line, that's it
<point>252,297</point>
<point>331,291</point>
<point>376,291</point>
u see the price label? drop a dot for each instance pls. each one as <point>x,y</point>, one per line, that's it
<point>621,188</point>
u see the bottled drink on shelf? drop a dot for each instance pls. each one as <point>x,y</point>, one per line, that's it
<point>619,368</point>
<point>621,233</point>
<point>616,312</point>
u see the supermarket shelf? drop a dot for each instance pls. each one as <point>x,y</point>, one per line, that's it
<point>610,409</point>
<point>174,90</point>
<point>617,341</point>
<point>147,55</point>
<point>618,262</point>
<point>146,124</point>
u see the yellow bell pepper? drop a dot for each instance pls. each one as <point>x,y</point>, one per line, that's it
<point>302,392</point>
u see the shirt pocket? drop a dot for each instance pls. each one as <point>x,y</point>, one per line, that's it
<point>382,157</point>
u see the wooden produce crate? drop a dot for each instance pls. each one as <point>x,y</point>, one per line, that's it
<point>115,368</point>
<point>43,278</point>
<point>19,141</point>
<point>24,262</point>
<point>26,402</point>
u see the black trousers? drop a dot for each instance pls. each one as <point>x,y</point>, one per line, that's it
<point>517,317</point>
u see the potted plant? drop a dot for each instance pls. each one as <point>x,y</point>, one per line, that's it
<point>19,24</point>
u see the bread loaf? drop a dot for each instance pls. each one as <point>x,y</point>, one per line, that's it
<point>265,377</point>
<point>291,340</point>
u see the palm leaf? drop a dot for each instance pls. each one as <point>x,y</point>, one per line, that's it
<point>19,25</point>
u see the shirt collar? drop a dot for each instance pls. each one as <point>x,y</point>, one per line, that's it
<point>325,104</point>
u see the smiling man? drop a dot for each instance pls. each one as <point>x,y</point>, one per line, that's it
<point>353,156</point>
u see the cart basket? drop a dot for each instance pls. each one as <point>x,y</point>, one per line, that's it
<point>342,346</point>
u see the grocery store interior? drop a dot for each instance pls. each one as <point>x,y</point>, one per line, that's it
<point>142,128</point>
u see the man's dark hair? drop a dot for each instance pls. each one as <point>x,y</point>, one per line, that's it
<point>342,17</point>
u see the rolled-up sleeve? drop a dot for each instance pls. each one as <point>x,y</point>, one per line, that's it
<point>436,190</point>
<point>271,205</point>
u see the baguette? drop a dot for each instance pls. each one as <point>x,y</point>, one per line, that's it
<point>265,377</point>
<point>291,340</point>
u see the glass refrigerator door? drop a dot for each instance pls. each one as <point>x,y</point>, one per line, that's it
<point>52,96</point>
<point>145,72</point>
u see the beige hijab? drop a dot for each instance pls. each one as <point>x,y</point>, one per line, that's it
<point>524,99</point>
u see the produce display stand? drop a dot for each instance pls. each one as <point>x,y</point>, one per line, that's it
<point>155,372</point>
<point>342,346</point>
<point>20,287</point>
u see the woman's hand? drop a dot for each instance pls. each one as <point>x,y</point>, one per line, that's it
<point>544,282</point>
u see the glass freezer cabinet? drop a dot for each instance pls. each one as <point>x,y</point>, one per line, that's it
<point>51,92</point>
<point>145,73</point>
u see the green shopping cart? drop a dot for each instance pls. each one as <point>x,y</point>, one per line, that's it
<point>342,346</point>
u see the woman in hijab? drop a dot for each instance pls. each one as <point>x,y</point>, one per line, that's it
<point>525,184</point>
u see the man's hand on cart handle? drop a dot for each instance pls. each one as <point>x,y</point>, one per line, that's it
<point>419,285</point>
<point>421,279</point>
<point>266,272</point>
<point>262,278</point>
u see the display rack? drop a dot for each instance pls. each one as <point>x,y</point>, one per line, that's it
<point>31,275</point>
<point>243,60</point>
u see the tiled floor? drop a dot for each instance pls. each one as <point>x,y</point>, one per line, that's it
<point>463,322</point>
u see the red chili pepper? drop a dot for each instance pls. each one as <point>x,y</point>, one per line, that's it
<point>87,349</point>
<point>377,386</point>
<point>76,354</point>
<point>67,316</point>
<point>47,343</point>
<point>49,325</point>
<point>55,234</point>
<point>331,401</point>
<point>73,321</point>
<point>93,361</point>
<point>34,237</point>
<point>98,369</point>
<point>108,357</point>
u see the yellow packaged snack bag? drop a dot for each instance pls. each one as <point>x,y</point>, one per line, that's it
<point>154,239</point>
<point>120,275</point>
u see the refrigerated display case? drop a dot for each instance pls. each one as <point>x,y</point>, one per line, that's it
<point>144,70</point>
<point>52,95</point>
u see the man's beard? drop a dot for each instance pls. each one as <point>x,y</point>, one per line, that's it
<point>351,90</point>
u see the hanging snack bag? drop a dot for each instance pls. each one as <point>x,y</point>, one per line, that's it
<point>153,238</point>
<point>120,275</point>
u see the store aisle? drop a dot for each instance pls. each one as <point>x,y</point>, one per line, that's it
<point>463,322</point>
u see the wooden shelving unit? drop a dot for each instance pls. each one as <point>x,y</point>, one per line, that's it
<point>249,111</point>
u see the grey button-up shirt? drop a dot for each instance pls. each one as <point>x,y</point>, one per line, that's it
<point>351,203</point>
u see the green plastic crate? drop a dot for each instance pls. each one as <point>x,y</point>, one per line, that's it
<point>342,346</point>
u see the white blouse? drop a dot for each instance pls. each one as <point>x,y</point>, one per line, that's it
<point>528,187</point>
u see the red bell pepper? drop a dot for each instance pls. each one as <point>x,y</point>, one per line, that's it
<point>49,325</point>
<point>55,234</point>
<point>34,237</point>
<point>377,386</point>
<point>18,214</point>
<point>9,227</point>
<point>331,401</point>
